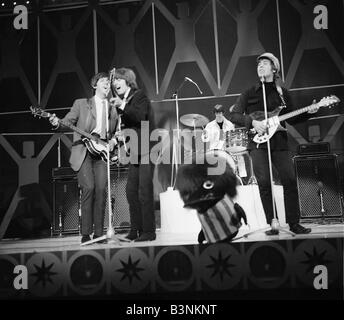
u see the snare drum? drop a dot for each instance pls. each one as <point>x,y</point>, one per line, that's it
<point>237,140</point>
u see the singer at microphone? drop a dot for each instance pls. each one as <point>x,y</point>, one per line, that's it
<point>249,112</point>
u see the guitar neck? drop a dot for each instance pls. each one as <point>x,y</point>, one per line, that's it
<point>76,129</point>
<point>294,113</point>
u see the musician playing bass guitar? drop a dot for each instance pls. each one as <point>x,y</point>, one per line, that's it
<point>249,112</point>
<point>89,115</point>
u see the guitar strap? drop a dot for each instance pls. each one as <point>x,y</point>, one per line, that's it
<point>280,93</point>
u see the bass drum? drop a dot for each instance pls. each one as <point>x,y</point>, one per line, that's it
<point>229,159</point>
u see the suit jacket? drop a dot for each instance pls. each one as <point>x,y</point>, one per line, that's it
<point>83,115</point>
<point>138,116</point>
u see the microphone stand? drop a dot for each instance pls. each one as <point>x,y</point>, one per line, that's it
<point>275,226</point>
<point>110,235</point>
<point>176,157</point>
<point>176,145</point>
<point>322,210</point>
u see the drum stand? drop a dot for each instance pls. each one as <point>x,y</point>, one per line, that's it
<point>252,179</point>
<point>110,235</point>
<point>275,226</point>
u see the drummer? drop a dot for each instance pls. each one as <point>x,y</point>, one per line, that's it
<point>215,131</point>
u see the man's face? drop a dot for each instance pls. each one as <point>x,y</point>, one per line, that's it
<point>219,116</point>
<point>264,68</point>
<point>120,86</point>
<point>103,87</point>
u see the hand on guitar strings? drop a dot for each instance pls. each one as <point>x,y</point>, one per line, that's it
<point>259,126</point>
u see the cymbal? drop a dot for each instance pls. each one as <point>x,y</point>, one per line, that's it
<point>194,120</point>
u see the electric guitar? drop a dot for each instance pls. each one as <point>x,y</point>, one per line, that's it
<point>93,143</point>
<point>273,122</point>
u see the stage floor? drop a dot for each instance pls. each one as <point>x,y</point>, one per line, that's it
<point>66,243</point>
<point>174,267</point>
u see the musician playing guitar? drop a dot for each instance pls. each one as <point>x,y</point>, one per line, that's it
<point>249,112</point>
<point>89,115</point>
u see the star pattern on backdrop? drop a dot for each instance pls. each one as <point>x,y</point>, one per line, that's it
<point>220,266</point>
<point>130,270</point>
<point>314,259</point>
<point>43,273</point>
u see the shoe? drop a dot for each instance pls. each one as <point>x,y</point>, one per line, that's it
<point>85,238</point>
<point>146,236</point>
<point>132,235</point>
<point>99,241</point>
<point>272,232</point>
<point>298,229</point>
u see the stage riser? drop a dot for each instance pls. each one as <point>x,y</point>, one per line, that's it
<point>246,266</point>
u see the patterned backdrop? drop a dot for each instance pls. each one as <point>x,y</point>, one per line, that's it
<point>213,42</point>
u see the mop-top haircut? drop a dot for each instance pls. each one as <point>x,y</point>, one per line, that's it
<point>96,77</point>
<point>128,75</point>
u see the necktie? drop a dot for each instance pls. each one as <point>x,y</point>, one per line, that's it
<point>103,128</point>
<point>221,135</point>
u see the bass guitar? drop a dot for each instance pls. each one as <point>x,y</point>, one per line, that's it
<point>93,143</point>
<point>274,120</point>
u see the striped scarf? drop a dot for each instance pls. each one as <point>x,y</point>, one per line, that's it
<point>220,221</point>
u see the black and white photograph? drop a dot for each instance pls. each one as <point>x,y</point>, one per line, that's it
<point>171,155</point>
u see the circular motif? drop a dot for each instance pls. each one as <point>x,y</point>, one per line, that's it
<point>130,270</point>
<point>267,265</point>
<point>309,254</point>
<point>221,266</point>
<point>174,268</point>
<point>86,272</point>
<point>45,274</point>
<point>7,265</point>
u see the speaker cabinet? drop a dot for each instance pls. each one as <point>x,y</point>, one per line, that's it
<point>66,205</point>
<point>319,188</point>
<point>66,219</point>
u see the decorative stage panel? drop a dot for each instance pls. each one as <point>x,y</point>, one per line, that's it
<point>225,269</point>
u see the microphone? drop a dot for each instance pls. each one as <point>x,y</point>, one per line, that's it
<point>190,80</point>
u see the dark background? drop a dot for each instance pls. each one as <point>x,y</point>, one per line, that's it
<point>213,42</point>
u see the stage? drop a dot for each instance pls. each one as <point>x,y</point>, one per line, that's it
<point>174,266</point>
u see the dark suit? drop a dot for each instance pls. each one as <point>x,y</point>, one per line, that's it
<point>92,175</point>
<point>250,101</point>
<point>140,184</point>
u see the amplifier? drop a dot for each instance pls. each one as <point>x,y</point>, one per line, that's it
<point>63,173</point>
<point>66,213</point>
<point>313,148</point>
<point>319,188</point>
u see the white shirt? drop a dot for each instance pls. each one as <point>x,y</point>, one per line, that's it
<point>212,134</point>
<point>99,112</point>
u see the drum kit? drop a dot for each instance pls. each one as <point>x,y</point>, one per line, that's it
<point>234,148</point>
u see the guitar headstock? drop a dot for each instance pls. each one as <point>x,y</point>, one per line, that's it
<point>328,101</point>
<point>39,112</point>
